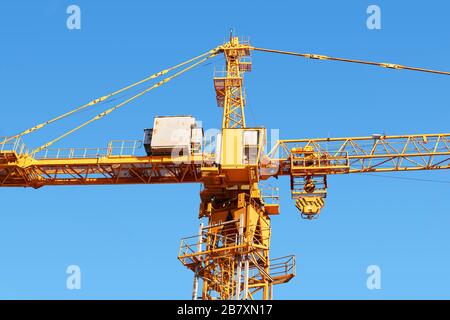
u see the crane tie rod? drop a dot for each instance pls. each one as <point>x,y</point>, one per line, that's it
<point>379,64</point>
<point>212,53</point>
<point>105,97</point>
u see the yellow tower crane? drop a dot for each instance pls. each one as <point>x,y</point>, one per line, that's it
<point>230,254</point>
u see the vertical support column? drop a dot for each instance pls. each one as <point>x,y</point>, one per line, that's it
<point>266,292</point>
<point>238,279</point>
<point>195,286</point>
<point>239,257</point>
<point>245,257</point>
<point>199,248</point>
<point>246,269</point>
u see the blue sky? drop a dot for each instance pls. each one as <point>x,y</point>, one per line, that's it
<point>125,238</point>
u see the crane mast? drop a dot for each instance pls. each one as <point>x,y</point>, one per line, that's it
<point>230,254</point>
<point>229,83</point>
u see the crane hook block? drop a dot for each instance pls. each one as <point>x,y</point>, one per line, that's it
<point>309,207</point>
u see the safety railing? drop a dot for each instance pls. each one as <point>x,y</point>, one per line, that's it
<point>281,269</point>
<point>319,162</point>
<point>115,148</point>
<point>269,193</point>
<point>124,147</point>
<point>212,241</point>
<point>282,266</point>
<point>221,75</point>
<point>243,40</point>
<point>13,145</point>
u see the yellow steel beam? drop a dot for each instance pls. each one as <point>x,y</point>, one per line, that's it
<point>362,154</point>
<point>30,172</point>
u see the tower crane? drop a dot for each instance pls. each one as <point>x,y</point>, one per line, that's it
<point>230,253</point>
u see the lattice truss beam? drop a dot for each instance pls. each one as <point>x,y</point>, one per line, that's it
<point>360,154</point>
<point>29,172</point>
<point>233,112</point>
<point>229,83</point>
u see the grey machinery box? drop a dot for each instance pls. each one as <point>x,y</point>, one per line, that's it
<point>173,132</point>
